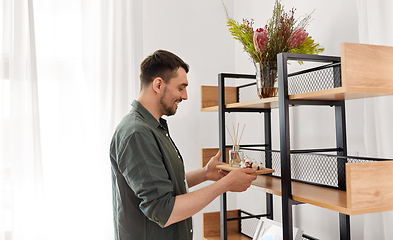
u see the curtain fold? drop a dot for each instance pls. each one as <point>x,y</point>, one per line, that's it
<point>21,173</point>
<point>375,27</point>
<point>68,76</point>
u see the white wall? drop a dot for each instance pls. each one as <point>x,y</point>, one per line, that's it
<point>197,32</point>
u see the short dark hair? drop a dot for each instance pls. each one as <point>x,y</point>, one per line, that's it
<point>162,64</point>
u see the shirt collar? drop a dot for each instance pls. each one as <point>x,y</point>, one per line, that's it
<point>150,119</point>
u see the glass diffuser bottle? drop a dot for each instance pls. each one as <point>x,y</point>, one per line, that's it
<point>236,156</point>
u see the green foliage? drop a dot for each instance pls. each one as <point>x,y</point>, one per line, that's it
<point>279,29</point>
<point>244,33</point>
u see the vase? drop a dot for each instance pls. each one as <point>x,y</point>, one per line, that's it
<point>266,77</point>
<point>236,156</point>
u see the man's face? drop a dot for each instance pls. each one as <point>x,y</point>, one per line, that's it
<point>174,92</point>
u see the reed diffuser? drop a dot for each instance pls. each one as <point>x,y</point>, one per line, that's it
<point>236,156</point>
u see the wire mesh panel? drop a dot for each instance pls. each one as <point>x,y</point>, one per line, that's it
<point>321,169</point>
<point>249,225</point>
<point>316,79</point>
<point>318,169</point>
<point>248,92</point>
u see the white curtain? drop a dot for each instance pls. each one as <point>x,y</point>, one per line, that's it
<point>21,176</point>
<point>375,27</point>
<point>59,108</point>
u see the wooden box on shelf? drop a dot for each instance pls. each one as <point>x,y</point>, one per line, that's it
<point>209,97</point>
<point>211,226</point>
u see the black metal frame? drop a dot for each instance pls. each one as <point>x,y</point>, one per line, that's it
<point>284,103</point>
<point>222,143</point>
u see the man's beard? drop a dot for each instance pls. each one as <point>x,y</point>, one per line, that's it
<point>167,110</point>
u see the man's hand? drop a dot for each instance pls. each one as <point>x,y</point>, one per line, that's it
<point>186,205</point>
<point>213,173</point>
<point>239,180</point>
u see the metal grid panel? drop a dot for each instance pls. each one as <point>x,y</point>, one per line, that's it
<point>319,169</point>
<point>248,93</point>
<point>249,225</point>
<point>311,81</point>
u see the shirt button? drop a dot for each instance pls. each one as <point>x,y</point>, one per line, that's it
<point>166,134</point>
<point>191,230</point>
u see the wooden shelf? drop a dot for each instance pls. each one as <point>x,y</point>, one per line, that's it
<point>369,187</point>
<point>365,72</point>
<point>343,93</point>
<point>319,196</point>
<point>211,226</point>
<point>334,94</point>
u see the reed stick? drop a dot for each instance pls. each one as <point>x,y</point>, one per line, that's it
<point>234,134</point>
<point>242,133</point>
<point>235,139</point>
<point>237,134</point>
<point>229,133</point>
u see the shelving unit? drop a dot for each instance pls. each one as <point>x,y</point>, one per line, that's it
<point>362,71</point>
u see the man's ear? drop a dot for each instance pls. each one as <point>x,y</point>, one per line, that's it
<point>158,84</point>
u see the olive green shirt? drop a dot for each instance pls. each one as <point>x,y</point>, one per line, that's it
<point>147,174</point>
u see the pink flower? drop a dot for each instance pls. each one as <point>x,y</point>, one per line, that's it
<point>297,38</point>
<point>260,40</point>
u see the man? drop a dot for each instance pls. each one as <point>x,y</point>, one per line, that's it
<point>150,187</point>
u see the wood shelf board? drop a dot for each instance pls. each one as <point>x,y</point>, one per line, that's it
<point>343,93</point>
<point>210,109</point>
<point>258,172</point>
<point>334,94</point>
<point>233,236</point>
<point>264,103</point>
<point>324,197</point>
